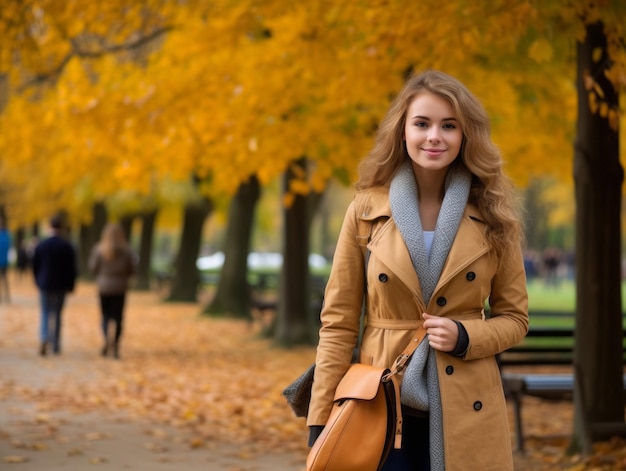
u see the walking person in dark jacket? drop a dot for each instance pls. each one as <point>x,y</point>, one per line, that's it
<point>5,248</point>
<point>55,270</point>
<point>113,263</point>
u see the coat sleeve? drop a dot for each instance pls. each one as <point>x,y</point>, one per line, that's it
<point>339,318</point>
<point>507,323</point>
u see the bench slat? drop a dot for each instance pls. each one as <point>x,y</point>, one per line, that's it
<point>538,350</point>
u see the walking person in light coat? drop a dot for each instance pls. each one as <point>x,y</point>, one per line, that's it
<point>439,220</point>
<point>113,263</point>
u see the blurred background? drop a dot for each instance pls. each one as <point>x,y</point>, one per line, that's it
<point>225,135</point>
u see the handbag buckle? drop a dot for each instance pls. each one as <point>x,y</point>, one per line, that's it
<point>401,362</point>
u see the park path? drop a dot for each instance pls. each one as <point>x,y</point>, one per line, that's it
<point>189,393</point>
<point>41,429</point>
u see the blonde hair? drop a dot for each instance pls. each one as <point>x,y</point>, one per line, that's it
<point>113,241</point>
<point>492,191</point>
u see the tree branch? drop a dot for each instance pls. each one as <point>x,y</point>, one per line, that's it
<point>113,49</point>
<point>78,52</point>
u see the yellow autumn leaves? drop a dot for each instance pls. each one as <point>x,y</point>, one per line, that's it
<point>126,100</point>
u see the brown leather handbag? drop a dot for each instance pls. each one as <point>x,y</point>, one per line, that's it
<point>365,422</point>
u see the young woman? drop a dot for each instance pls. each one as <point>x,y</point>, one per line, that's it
<point>113,263</point>
<point>443,238</point>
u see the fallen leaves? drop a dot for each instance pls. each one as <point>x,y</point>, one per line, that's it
<point>15,459</point>
<point>214,377</point>
<point>609,455</point>
<point>220,382</point>
<point>155,447</point>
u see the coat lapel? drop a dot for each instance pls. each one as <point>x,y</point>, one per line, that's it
<point>386,242</point>
<point>469,244</point>
<point>389,247</point>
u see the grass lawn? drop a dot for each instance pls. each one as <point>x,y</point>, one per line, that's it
<point>551,298</point>
<point>561,298</point>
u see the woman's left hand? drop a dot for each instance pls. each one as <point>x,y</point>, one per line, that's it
<point>443,333</point>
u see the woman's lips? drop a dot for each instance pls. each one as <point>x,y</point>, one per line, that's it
<point>434,152</point>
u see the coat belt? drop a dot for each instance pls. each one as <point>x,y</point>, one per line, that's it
<point>394,324</point>
<point>413,324</point>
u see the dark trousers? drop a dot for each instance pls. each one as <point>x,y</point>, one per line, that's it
<point>415,452</point>
<point>112,307</point>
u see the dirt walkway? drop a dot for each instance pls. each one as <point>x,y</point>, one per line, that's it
<point>36,434</point>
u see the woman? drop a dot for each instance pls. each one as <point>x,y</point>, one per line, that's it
<point>443,237</point>
<point>113,263</point>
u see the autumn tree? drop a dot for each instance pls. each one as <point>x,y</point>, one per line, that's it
<point>221,68</point>
<point>598,355</point>
<point>232,296</point>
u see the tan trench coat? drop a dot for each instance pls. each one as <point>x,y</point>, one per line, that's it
<point>475,422</point>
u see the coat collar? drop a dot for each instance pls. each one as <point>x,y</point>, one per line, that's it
<point>374,204</point>
<point>386,242</point>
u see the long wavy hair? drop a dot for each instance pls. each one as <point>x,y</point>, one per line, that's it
<point>113,241</point>
<point>492,191</point>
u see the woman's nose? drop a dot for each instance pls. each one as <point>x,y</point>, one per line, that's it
<point>433,135</point>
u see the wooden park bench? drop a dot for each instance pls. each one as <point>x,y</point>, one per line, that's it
<point>543,346</point>
<point>163,278</point>
<point>262,284</point>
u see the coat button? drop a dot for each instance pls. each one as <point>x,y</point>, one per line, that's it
<point>478,405</point>
<point>441,301</point>
<point>471,276</point>
<point>383,278</point>
<point>449,369</point>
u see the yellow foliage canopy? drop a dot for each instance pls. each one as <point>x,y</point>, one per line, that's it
<point>144,96</point>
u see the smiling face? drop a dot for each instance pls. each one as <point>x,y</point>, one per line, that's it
<point>432,133</point>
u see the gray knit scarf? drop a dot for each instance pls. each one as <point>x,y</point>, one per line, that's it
<point>420,386</point>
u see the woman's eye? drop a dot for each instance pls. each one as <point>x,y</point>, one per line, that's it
<point>421,124</point>
<point>449,126</point>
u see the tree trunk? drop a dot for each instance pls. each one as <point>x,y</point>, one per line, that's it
<point>324,230</point>
<point>20,237</point>
<point>144,272</point>
<point>4,91</point>
<point>126,223</point>
<point>232,296</point>
<point>89,235</point>
<point>598,182</point>
<point>293,323</point>
<point>186,277</point>
<point>537,211</point>
<point>314,202</point>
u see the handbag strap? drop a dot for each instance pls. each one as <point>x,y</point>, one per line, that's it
<point>403,358</point>
<point>399,366</point>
